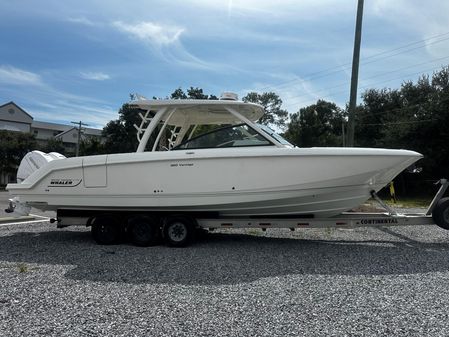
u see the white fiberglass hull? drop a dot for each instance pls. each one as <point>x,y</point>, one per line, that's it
<point>236,182</point>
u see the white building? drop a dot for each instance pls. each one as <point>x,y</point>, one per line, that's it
<point>14,118</point>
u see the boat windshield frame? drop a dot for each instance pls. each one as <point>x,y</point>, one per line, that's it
<point>256,133</point>
<point>274,134</point>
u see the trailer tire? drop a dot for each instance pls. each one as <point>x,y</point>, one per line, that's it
<point>106,230</point>
<point>178,231</point>
<point>440,213</point>
<point>143,231</point>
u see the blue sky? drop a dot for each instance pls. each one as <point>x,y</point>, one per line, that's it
<point>80,60</point>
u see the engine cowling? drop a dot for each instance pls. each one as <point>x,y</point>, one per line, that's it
<point>33,161</point>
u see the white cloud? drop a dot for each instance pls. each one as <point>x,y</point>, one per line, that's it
<point>156,34</point>
<point>304,9</point>
<point>81,20</point>
<point>166,44</point>
<point>428,19</point>
<point>95,76</point>
<point>44,101</point>
<point>12,75</point>
<point>295,92</point>
<point>97,115</point>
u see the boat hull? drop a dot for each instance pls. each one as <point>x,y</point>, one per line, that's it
<point>320,182</point>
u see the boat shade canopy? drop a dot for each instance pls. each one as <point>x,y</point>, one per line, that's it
<point>202,111</point>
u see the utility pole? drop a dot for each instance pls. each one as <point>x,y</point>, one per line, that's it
<point>355,74</point>
<point>79,124</point>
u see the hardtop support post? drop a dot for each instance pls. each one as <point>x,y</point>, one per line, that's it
<point>149,130</point>
<point>170,113</point>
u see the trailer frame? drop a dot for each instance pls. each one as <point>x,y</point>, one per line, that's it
<point>345,220</point>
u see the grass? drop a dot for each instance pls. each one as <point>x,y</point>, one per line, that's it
<point>23,268</point>
<point>253,231</point>
<point>410,202</point>
<point>372,205</point>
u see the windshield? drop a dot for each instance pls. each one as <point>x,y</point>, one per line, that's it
<point>273,134</point>
<point>229,136</point>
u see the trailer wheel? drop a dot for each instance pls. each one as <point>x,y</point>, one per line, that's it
<point>106,230</point>
<point>178,231</point>
<point>440,213</point>
<point>143,231</point>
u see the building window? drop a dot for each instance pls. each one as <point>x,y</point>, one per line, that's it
<point>35,132</point>
<point>11,111</point>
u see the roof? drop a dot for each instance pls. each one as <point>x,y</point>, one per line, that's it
<point>202,111</point>
<point>18,107</point>
<point>65,132</point>
<point>63,128</point>
<point>50,126</point>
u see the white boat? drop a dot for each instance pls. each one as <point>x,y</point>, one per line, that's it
<point>199,156</point>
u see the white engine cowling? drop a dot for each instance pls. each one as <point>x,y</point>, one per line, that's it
<point>33,161</point>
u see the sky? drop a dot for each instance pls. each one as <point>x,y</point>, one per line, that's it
<point>80,60</point>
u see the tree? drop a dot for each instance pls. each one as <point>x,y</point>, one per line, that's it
<point>15,145</point>
<point>371,116</point>
<point>192,93</point>
<point>413,117</point>
<point>271,102</point>
<point>54,145</point>
<point>91,146</point>
<point>178,94</point>
<point>319,124</point>
<point>120,134</point>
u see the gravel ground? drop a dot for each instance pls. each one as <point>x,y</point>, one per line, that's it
<point>330,282</point>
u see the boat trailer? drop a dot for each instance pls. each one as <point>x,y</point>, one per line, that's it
<point>178,230</point>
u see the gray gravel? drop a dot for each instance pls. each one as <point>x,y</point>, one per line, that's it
<point>339,282</point>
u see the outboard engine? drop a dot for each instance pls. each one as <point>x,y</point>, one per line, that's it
<point>33,161</point>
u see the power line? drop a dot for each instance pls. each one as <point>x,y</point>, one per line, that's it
<point>370,85</point>
<point>375,76</point>
<point>407,45</point>
<point>346,66</point>
<point>397,123</point>
<point>407,50</point>
<point>407,107</point>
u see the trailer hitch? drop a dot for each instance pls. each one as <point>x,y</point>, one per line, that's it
<point>10,208</point>
<point>17,208</point>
